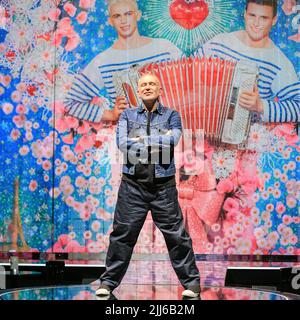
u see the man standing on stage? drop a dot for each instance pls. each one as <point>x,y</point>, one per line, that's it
<point>130,48</point>
<point>147,136</point>
<point>277,96</point>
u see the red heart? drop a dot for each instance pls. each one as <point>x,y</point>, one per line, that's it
<point>189,15</point>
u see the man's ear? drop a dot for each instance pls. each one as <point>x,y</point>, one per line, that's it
<point>138,15</point>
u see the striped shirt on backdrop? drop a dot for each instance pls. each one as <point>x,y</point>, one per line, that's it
<point>99,74</point>
<point>278,84</point>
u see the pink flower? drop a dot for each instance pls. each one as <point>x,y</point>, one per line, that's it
<point>292,139</point>
<point>288,6</point>
<point>225,186</point>
<point>72,42</point>
<point>5,80</point>
<point>24,150</point>
<point>291,201</point>
<point>80,182</point>
<point>79,148</point>
<point>72,122</point>
<point>87,234</point>
<point>16,96</point>
<point>287,219</point>
<point>86,4</point>
<point>70,8</point>
<point>15,134</point>
<point>33,185</point>
<point>87,171</point>
<point>19,121</point>
<point>57,39</point>
<point>74,246</point>
<point>54,14</point>
<point>69,139</point>
<point>85,142</point>
<point>21,86</point>
<point>287,131</point>
<point>232,215</point>
<point>85,215</point>
<point>68,155</point>
<point>63,240</point>
<point>249,187</point>
<point>249,181</point>
<point>7,108</point>
<point>61,125</point>
<point>280,208</point>
<point>231,204</point>
<point>81,17</point>
<point>64,27</point>
<point>46,165</point>
<point>102,214</point>
<point>21,109</point>
<point>84,128</point>
<point>95,226</point>
<point>64,123</point>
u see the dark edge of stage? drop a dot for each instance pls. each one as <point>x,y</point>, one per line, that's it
<point>39,256</point>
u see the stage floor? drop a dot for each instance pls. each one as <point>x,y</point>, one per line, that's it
<point>139,292</point>
<point>156,280</point>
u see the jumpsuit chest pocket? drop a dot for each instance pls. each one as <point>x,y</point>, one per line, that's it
<point>160,128</point>
<point>136,129</point>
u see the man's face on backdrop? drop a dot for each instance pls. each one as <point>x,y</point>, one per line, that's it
<point>259,21</point>
<point>124,17</point>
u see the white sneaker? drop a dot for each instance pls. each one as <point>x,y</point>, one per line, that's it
<point>103,291</point>
<point>190,293</point>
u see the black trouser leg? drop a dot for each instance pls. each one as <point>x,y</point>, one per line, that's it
<point>167,216</point>
<point>130,214</point>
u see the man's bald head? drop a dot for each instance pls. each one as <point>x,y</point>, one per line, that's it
<point>149,87</point>
<point>150,76</point>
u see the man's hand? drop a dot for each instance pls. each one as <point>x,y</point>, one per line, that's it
<point>113,115</point>
<point>251,101</point>
<point>120,105</point>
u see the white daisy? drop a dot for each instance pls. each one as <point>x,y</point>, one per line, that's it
<point>223,162</point>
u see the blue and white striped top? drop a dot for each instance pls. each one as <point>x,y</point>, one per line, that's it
<point>99,74</point>
<point>278,83</point>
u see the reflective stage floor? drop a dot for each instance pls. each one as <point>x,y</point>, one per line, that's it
<point>139,292</point>
<point>156,280</point>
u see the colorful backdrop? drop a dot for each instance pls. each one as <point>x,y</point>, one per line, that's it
<point>58,187</point>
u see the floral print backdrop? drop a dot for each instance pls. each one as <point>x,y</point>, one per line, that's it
<point>57,176</point>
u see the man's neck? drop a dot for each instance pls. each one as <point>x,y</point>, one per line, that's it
<point>132,42</point>
<point>150,106</point>
<point>262,43</point>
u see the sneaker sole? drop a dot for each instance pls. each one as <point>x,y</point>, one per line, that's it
<point>102,292</point>
<point>190,294</point>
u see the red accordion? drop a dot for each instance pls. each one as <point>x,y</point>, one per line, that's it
<point>205,92</point>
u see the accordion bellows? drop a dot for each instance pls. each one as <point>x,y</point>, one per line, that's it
<point>205,92</point>
<point>199,89</point>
